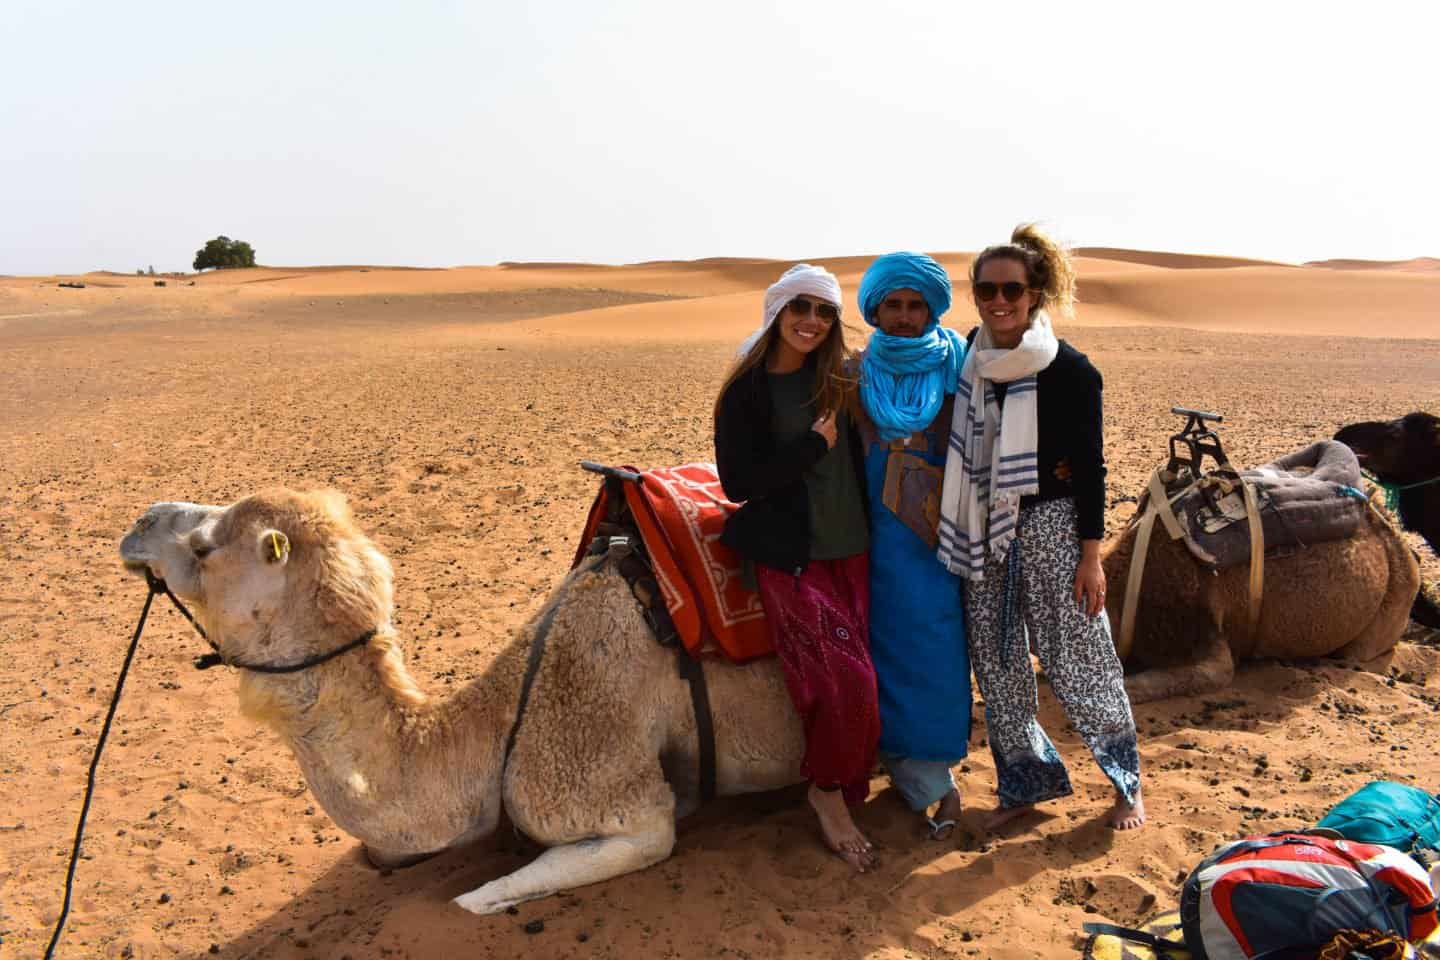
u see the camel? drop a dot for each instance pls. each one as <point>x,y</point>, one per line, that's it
<point>602,762</point>
<point>1405,454</point>
<point>1344,598</point>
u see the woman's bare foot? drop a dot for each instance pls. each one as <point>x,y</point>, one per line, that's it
<point>1127,815</point>
<point>1004,815</point>
<point>841,834</point>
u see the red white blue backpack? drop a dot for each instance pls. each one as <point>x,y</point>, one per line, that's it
<point>1285,895</point>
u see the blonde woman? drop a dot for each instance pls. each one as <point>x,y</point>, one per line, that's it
<point>1022,516</point>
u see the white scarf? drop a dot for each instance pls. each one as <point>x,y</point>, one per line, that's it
<point>992,462</point>
<point>799,279</point>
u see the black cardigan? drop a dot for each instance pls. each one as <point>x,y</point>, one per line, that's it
<point>772,526</point>
<point>1071,427</point>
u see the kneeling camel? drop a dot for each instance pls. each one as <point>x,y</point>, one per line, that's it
<point>598,767</point>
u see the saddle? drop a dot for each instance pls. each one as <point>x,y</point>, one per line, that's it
<point>1229,517</point>
<point>674,517</point>
<point>1309,496</point>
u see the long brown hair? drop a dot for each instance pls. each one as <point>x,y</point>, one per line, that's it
<point>1048,269</point>
<point>835,369</point>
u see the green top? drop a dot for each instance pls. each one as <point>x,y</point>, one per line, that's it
<point>837,509</point>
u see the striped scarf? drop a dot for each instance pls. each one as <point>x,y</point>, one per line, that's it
<point>992,461</point>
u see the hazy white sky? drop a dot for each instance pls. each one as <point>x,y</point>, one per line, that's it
<point>436,134</point>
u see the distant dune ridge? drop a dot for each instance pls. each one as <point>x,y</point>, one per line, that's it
<point>1118,287</point>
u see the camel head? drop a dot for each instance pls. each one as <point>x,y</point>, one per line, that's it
<point>274,578</point>
<point>1400,451</point>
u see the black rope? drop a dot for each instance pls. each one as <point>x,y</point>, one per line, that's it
<point>214,659</point>
<point>156,586</point>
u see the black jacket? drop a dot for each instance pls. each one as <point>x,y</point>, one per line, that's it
<point>1071,427</point>
<point>772,526</point>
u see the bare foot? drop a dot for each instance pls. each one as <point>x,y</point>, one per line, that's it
<point>1126,815</point>
<point>841,834</point>
<point>1004,815</point>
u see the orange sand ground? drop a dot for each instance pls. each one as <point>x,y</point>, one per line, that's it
<point>452,406</point>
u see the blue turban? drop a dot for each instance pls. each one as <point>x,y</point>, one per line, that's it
<point>904,380</point>
<point>905,271</point>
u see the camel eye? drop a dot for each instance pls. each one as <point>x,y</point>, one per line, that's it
<point>201,550</point>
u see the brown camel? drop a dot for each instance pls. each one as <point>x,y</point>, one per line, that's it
<point>1345,598</point>
<point>602,763</point>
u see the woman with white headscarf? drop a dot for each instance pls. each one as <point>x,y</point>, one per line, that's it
<point>787,451</point>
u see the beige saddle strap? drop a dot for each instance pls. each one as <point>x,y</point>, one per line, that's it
<point>1159,505</point>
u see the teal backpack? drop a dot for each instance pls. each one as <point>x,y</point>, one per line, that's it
<point>1394,814</point>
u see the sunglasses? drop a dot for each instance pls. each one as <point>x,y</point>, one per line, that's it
<point>986,290</point>
<point>823,311</point>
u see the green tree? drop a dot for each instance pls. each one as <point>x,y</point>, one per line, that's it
<point>222,252</point>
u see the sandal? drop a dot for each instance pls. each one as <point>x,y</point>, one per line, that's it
<point>940,829</point>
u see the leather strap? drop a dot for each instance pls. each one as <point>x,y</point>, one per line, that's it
<point>1126,639</point>
<point>1157,505</point>
<point>1257,559</point>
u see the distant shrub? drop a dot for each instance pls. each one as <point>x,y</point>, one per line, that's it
<point>222,253</point>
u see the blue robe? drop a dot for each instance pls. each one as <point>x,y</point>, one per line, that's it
<point>917,617</point>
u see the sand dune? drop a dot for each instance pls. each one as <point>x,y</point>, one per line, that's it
<point>1171,261</point>
<point>1415,264</point>
<point>451,406</point>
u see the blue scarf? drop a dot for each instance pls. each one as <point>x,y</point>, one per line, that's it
<point>903,380</point>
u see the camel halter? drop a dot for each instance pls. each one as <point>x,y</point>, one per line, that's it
<point>215,659</point>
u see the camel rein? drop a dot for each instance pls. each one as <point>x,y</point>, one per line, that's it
<point>201,663</point>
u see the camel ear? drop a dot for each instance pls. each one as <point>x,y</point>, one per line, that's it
<point>274,547</point>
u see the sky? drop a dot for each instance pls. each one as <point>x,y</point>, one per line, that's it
<point>452,133</point>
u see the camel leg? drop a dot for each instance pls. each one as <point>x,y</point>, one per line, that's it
<point>574,865</point>
<point>1214,670</point>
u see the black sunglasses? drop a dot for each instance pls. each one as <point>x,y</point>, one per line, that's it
<point>824,311</point>
<point>1011,290</point>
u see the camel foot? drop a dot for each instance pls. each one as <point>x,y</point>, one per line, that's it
<point>1126,815</point>
<point>841,834</point>
<point>1004,815</point>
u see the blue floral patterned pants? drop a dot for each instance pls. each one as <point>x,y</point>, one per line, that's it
<point>1032,591</point>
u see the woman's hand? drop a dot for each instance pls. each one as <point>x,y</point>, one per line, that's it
<point>825,426</point>
<point>1090,579</point>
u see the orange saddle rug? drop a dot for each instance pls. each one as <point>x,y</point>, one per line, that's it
<point>680,512</point>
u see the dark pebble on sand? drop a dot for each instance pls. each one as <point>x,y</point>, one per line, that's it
<point>582,936</point>
<point>534,927</point>
<point>164,898</point>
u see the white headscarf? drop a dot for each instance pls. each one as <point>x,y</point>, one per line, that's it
<point>800,279</point>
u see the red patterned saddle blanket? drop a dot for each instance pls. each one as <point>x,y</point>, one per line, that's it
<point>680,513</point>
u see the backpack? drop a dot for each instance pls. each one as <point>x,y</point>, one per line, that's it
<point>1394,814</point>
<point>1285,895</point>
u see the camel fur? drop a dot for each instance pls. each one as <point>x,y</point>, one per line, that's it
<point>603,762</point>
<point>1345,598</point>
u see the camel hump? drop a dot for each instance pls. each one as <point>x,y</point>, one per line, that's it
<point>1306,497</point>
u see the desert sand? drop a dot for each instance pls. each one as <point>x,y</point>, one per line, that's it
<point>451,406</point>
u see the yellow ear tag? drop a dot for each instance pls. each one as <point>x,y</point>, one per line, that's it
<point>275,543</point>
